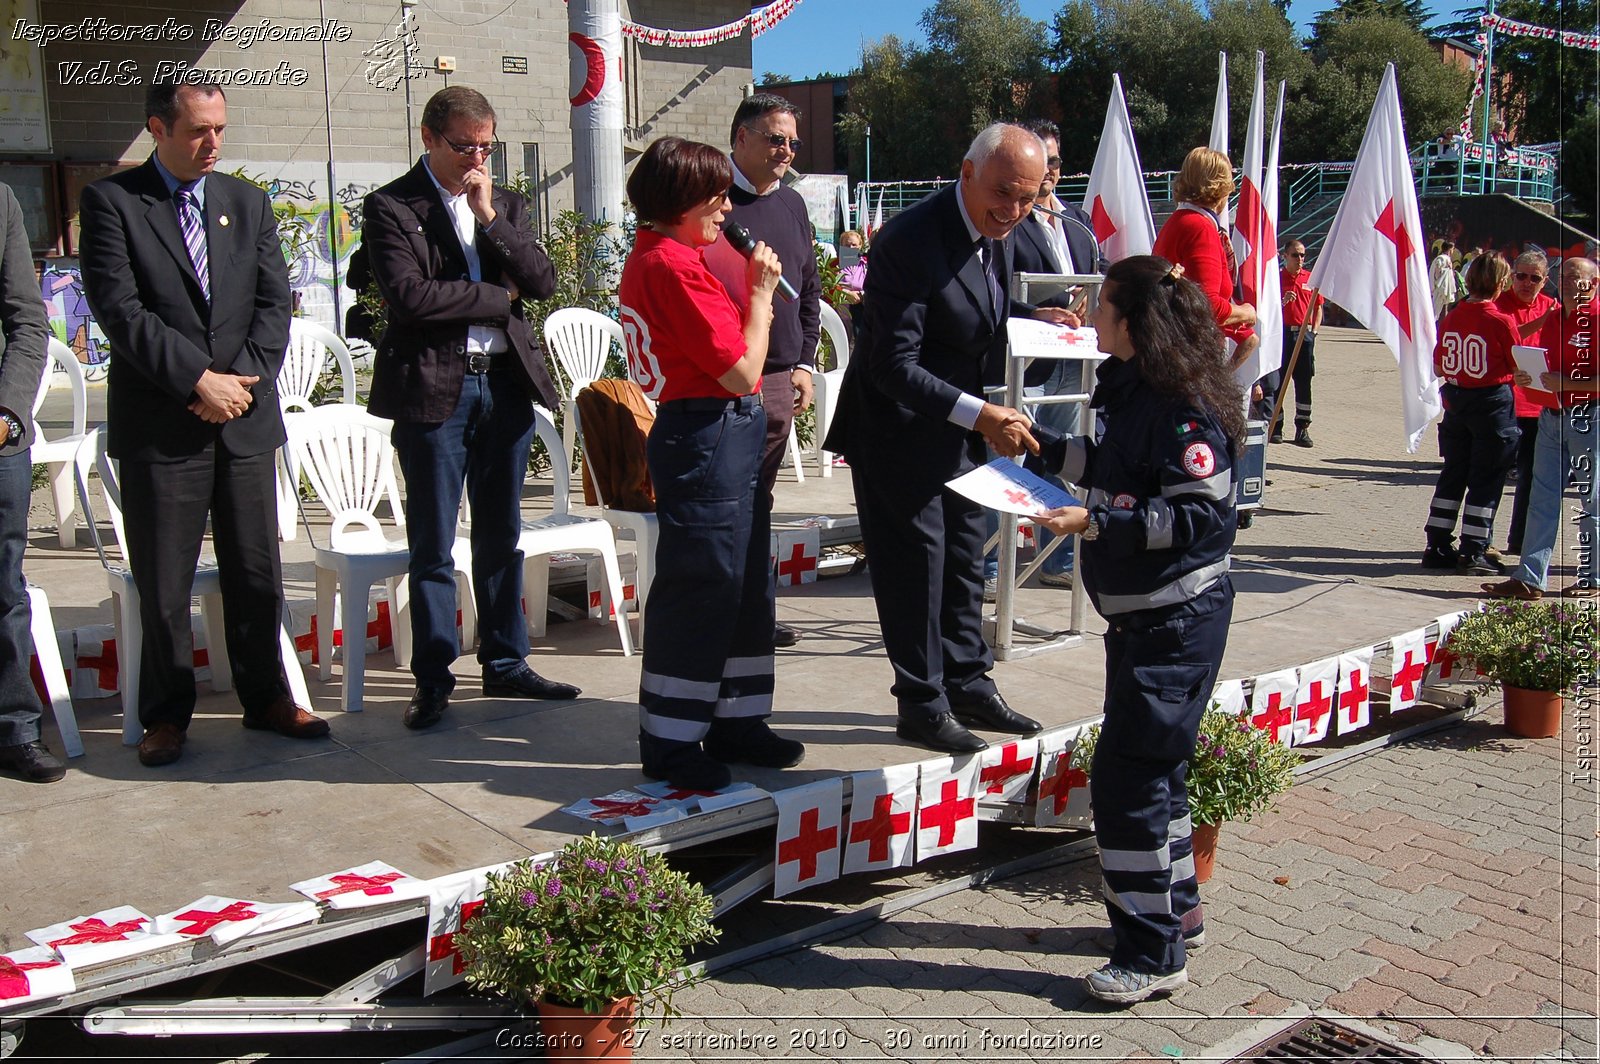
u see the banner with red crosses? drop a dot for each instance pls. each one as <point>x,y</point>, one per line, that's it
<point>227,920</point>
<point>809,835</point>
<point>795,555</point>
<point>1005,770</point>
<point>1443,665</point>
<point>373,883</point>
<point>1063,789</point>
<point>33,973</point>
<point>883,809</point>
<point>1228,696</point>
<point>453,901</point>
<point>1408,656</point>
<point>947,806</point>
<point>1313,702</point>
<point>1352,709</point>
<point>1272,704</point>
<point>108,935</point>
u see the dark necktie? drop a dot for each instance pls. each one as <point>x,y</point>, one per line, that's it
<point>988,251</point>
<point>194,236</point>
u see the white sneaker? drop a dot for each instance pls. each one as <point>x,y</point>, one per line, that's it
<point>1056,579</point>
<point>991,588</point>
<point>1121,986</point>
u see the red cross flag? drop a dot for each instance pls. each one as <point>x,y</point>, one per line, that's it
<point>614,807</point>
<point>453,901</point>
<point>1219,121</point>
<point>373,883</point>
<point>1313,703</point>
<point>108,935</point>
<point>1272,704</point>
<point>1374,263</point>
<point>1063,790</point>
<point>1006,770</point>
<point>1409,661</point>
<point>809,835</point>
<point>1228,696</point>
<point>226,920</point>
<point>1444,666</point>
<point>35,972</point>
<point>795,553</point>
<point>947,806</point>
<point>1115,198</point>
<point>1353,707</point>
<point>883,804</point>
<point>1255,236</point>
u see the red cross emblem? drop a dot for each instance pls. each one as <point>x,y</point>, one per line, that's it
<point>1276,716</point>
<point>611,809</point>
<point>1059,787</point>
<point>1316,707</point>
<point>878,830</point>
<point>808,844</point>
<point>104,665</point>
<point>348,883</point>
<point>1104,227</point>
<point>1354,697</point>
<point>1399,301</point>
<point>948,812</point>
<point>1443,657</point>
<point>1018,498</point>
<point>1408,677</point>
<point>798,564</point>
<point>204,921</point>
<point>97,930</point>
<point>1010,767</point>
<point>14,977</point>
<point>442,946</point>
<point>1198,460</point>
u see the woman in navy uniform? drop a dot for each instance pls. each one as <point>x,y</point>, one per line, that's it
<point>705,691</point>
<point>1157,528</point>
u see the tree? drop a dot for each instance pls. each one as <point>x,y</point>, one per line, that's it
<point>893,94</point>
<point>1413,13</point>
<point>1540,88</point>
<point>1580,170</point>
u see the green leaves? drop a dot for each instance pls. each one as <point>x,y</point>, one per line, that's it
<point>1539,646</point>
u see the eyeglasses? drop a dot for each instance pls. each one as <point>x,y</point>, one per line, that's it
<point>1053,163</point>
<point>469,150</point>
<point>1294,254</point>
<point>1538,278</point>
<point>778,140</point>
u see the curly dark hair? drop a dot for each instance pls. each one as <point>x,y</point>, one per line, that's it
<point>1178,348</point>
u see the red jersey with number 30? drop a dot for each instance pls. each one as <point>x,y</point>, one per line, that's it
<point>681,327</point>
<point>1474,348</point>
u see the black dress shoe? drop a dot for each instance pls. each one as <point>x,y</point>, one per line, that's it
<point>525,683</point>
<point>992,714</point>
<point>426,708</point>
<point>752,742</point>
<point>940,733</point>
<point>33,762</point>
<point>784,636</point>
<point>684,765</point>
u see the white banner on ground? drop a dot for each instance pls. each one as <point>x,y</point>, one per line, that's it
<point>226,920</point>
<point>1354,709</point>
<point>947,813</point>
<point>32,973</point>
<point>883,805</point>
<point>1313,703</point>
<point>373,883</point>
<point>108,935</point>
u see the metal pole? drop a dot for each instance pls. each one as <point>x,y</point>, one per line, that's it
<point>405,53</point>
<point>1492,158</point>
<point>333,203</point>
<point>869,153</point>
<point>595,30</point>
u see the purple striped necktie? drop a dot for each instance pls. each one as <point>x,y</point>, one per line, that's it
<point>194,236</point>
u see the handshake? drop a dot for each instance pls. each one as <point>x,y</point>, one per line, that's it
<point>1006,430</point>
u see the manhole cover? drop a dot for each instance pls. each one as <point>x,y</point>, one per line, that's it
<point>1315,1039</point>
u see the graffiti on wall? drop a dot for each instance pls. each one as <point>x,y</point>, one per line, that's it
<point>70,320</point>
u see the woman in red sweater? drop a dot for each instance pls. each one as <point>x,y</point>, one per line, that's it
<point>1193,237</point>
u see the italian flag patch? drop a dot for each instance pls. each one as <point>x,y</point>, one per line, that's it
<point>1188,428</point>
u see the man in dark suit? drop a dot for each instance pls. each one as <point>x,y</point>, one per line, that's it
<point>183,270</point>
<point>458,369</point>
<point>911,416</point>
<point>23,332</point>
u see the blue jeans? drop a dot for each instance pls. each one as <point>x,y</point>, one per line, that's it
<point>1566,446</point>
<point>19,702</point>
<point>483,443</point>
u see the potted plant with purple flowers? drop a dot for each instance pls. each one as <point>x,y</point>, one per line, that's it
<point>1236,772</point>
<point>1535,651</point>
<point>594,935</point>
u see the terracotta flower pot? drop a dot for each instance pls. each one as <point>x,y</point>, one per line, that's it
<point>1203,839</point>
<point>1532,714</point>
<point>572,1034</point>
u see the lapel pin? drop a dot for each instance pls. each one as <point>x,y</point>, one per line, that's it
<point>223,221</point>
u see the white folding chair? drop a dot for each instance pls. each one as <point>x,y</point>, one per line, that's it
<point>305,361</point>
<point>55,677</point>
<point>91,459</point>
<point>643,529</point>
<point>346,455</point>
<point>58,453</point>
<point>581,340</point>
<point>825,386</point>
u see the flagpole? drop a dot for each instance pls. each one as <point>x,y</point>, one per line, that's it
<point>1288,367</point>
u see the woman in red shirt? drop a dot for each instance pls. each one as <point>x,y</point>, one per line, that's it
<point>1478,435</point>
<point>705,691</point>
<point>1193,237</point>
<point>1528,307</point>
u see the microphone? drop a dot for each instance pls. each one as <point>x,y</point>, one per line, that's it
<point>739,239</point>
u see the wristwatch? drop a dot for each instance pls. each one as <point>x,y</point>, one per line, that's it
<point>1092,531</point>
<point>13,426</point>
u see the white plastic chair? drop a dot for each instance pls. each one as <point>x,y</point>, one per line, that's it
<point>825,386</point>
<point>643,529</point>
<point>91,459</point>
<point>347,456</point>
<point>58,453</point>
<point>55,677</point>
<point>305,360</point>
<point>581,340</point>
<point>561,530</point>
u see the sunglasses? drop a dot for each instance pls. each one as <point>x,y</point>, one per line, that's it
<point>1537,277</point>
<point>1053,162</point>
<point>778,140</point>
<point>469,150</point>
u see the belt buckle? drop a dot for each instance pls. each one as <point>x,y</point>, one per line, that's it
<point>479,363</point>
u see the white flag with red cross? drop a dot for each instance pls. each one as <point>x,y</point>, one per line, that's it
<point>1219,122</point>
<point>1443,665</point>
<point>1353,708</point>
<point>1063,789</point>
<point>1228,697</point>
<point>1115,198</point>
<point>810,835</point>
<point>613,808</point>
<point>374,883</point>
<point>1374,263</point>
<point>453,901</point>
<point>1408,657</point>
<point>225,920</point>
<point>1005,770</point>
<point>795,553</point>
<point>947,806</point>
<point>1272,704</point>
<point>108,935</point>
<point>1255,237</point>
<point>35,972</point>
<point>883,805</point>
<point>1313,702</point>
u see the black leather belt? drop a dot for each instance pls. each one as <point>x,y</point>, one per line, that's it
<point>711,406</point>
<point>483,363</point>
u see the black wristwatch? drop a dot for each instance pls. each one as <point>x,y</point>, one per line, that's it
<point>13,425</point>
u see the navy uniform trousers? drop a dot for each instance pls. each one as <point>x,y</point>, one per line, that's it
<point>708,628</point>
<point>1478,442</point>
<point>1161,666</point>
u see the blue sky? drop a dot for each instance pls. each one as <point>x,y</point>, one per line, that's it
<point>826,35</point>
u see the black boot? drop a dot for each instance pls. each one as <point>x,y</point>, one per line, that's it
<point>684,765</point>
<point>749,741</point>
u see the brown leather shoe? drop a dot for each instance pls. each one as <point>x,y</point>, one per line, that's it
<point>1512,589</point>
<point>286,718</point>
<point>162,745</point>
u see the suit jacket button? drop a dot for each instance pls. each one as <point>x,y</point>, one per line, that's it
<point>461,349</point>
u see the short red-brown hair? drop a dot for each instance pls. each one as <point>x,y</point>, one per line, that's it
<point>674,175</point>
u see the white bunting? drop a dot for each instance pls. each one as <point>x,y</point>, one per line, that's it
<point>1063,790</point>
<point>373,883</point>
<point>809,830</point>
<point>1228,696</point>
<point>1443,665</point>
<point>1006,769</point>
<point>1314,701</point>
<point>32,973</point>
<point>1408,656</point>
<point>1353,708</point>
<point>225,920</point>
<point>452,903</point>
<point>1272,704</point>
<point>108,935</point>
<point>947,808</point>
<point>883,808</point>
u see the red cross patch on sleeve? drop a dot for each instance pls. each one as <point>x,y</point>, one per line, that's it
<point>1199,461</point>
